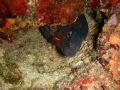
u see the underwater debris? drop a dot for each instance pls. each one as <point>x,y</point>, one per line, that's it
<point>69,38</point>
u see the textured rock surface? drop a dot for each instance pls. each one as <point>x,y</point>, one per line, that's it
<point>30,62</point>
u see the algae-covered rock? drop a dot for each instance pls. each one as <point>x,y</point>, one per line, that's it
<point>10,72</point>
<point>31,63</point>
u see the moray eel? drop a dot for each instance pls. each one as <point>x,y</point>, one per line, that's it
<point>68,38</point>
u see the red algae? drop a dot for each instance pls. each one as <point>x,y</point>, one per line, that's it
<point>12,7</point>
<point>3,10</point>
<point>7,36</point>
<point>8,9</point>
<point>55,11</point>
<point>113,2</point>
<point>94,3</point>
<point>65,11</point>
<point>17,7</point>
<point>49,11</point>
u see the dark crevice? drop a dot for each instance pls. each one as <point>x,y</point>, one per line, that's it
<point>99,18</point>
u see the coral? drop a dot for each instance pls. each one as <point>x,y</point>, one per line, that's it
<point>109,47</point>
<point>17,7</point>
<point>82,84</point>
<point>3,10</point>
<point>8,23</point>
<point>115,38</point>
<point>12,8</point>
<point>93,3</point>
<point>93,78</point>
<point>48,12</point>
<point>8,9</point>
<point>65,11</point>
<point>114,64</point>
<point>7,34</point>
<point>56,11</point>
<point>113,2</point>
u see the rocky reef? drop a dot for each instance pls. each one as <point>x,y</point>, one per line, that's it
<point>29,62</point>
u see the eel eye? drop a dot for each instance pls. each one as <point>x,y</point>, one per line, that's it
<point>69,34</point>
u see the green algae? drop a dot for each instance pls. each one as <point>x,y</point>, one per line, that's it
<point>10,72</point>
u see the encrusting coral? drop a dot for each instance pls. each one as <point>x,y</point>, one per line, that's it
<point>48,11</point>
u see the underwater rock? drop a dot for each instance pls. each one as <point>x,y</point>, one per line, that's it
<point>39,64</point>
<point>12,8</point>
<point>57,11</point>
<point>69,38</point>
